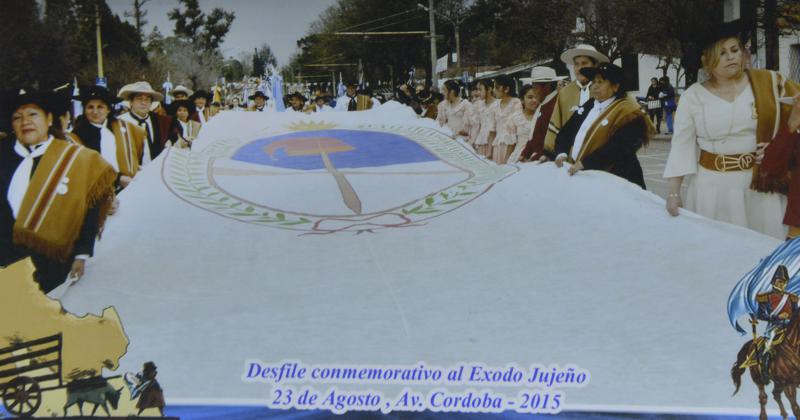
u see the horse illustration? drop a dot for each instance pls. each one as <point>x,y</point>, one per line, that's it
<point>784,371</point>
<point>95,390</point>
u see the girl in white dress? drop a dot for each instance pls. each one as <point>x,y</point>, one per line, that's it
<point>454,112</point>
<point>714,144</point>
<point>520,124</point>
<point>484,119</point>
<point>505,106</point>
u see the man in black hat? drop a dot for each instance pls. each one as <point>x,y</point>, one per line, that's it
<point>777,308</point>
<point>348,102</point>
<point>202,113</point>
<point>260,101</point>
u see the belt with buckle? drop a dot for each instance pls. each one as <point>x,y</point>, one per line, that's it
<point>727,163</point>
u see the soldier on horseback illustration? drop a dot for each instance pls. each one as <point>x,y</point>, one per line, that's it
<point>776,307</point>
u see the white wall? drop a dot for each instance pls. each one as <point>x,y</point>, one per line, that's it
<point>648,70</point>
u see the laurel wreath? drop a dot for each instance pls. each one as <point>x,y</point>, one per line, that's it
<point>187,174</point>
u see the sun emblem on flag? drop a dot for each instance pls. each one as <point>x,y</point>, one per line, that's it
<point>321,178</point>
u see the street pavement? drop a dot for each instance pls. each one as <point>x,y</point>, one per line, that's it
<point>653,158</point>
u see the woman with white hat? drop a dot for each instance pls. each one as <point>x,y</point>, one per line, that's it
<point>576,93</point>
<point>54,195</point>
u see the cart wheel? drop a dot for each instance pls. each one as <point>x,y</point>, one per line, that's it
<point>22,396</point>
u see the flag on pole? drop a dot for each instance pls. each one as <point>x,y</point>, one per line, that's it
<point>167,88</point>
<point>77,107</point>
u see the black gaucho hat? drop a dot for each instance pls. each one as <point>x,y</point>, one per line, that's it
<point>172,109</point>
<point>296,95</point>
<point>734,29</point>
<point>610,72</point>
<point>149,367</point>
<point>97,92</point>
<point>351,82</point>
<point>201,94</point>
<point>258,94</point>
<point>738,28</point>
<point>14,100</point>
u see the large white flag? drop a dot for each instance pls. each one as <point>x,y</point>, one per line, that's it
<point>374,238</point>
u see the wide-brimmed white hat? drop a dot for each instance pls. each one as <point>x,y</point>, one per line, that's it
<point>181,88</point>
<point>583,49</point>
<point>542,74</point>
<point>128,91</point>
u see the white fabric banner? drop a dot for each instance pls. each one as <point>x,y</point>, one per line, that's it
<point>373,238</point>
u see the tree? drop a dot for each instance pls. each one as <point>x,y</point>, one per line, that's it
<point>138,14</point>
<point>233,70</point>
<point>262,58</point>
<point>207,32</point>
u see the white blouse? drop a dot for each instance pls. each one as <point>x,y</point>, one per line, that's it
<point>707,122</point>
<point>501,115</point>
<point>456,117</point>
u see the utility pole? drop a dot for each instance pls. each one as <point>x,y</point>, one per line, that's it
<point>434,57</point>
<point>101,80</point>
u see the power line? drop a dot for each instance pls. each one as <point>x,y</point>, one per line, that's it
<point>376,20</point>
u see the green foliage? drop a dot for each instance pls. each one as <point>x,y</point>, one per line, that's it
<point>205,31</point>
<point>47,48</point>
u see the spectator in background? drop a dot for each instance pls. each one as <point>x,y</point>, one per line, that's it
<point>654,94</point>
<point>667,96</point>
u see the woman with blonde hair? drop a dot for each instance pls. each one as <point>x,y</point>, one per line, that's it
<point>722,127</point>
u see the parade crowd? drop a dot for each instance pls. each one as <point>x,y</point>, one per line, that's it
<point>735,138</point>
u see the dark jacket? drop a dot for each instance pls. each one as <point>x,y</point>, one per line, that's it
<point>617,156</point>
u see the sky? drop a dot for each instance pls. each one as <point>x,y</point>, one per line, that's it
<point>279,23</point>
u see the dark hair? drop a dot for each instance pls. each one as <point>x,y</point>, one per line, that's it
<point>487,84</point>
<point>664,79</point>
<point>453,86</point>
<point>507,81</point>
<point>524,91</point>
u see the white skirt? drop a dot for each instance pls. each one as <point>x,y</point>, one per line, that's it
<point>727,197</point>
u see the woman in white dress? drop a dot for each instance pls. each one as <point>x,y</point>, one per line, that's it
<point>721,129</point>
<point>505,106</point>
<point>521,123</point>
<point>454,111</point>
<point>483,119</point>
